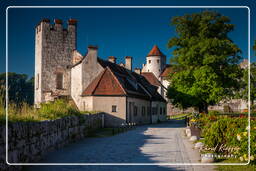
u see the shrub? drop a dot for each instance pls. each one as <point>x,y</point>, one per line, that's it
<point>232,132</point>
<point>57,109</point>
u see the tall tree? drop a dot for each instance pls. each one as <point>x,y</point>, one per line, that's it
<point>205,60</point>
<point>244,84</point>
<point>20,88</point>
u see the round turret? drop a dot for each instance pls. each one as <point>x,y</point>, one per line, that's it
<point>155,61</point>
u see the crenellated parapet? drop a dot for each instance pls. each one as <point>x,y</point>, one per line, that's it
<point>57,26</point>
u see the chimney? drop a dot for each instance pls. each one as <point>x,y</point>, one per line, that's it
<point>137,70</point>
<point>112,59</point>
<point>91,47</point>
<point>92,55</point>
<point>122,64</point>
<point>128,62</point>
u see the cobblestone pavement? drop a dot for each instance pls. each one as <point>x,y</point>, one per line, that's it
<point>157,143</point>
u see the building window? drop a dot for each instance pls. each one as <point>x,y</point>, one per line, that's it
<point>59,81</point>
<point>135,110</point>
<point>113,108</point>
<point>149,61</point>
<point>160,110</point>
<point>148,110</point>
<point>143,112</point>
<point>37,81</point>
<point>164,111</point>
<point>158,61</point>
<point>154,110</point>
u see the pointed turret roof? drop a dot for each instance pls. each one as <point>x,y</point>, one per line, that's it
<point>155,51</point>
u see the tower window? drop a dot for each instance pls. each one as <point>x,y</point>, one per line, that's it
<point>37,81</point>
<point>149,61</point>
<point>158,61</point>
<point>59,81</point>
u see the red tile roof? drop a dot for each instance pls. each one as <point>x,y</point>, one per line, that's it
<point>151,78</point>
<point>117,80</point>
<point>155,51</point>
<point>167,70</point>
<point>105,84</point>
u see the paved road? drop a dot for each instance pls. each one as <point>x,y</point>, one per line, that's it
<point>158,143</point>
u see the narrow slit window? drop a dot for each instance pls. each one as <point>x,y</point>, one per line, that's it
<point>59,81</point>
<point>37,81</point>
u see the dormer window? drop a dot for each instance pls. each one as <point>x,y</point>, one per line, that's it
<point>59,80</point>
<point>133,83</point>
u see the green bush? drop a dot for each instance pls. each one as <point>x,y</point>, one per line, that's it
<point>232,132</point>
<point>57,109</point>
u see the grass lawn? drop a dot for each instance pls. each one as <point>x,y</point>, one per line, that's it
<point>179,116</point>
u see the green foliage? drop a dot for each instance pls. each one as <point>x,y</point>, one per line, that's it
<point>49,111</point>
<point>244,83</point>
<point>57,109</point>
<point>232,132</point>
<point>205,60</point>
<point>20,88</point>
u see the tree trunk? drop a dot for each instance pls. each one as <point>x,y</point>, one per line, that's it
<point>203,108</point>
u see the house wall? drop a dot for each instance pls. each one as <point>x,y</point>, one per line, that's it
<point>139,118</point>
<point>82,75</point>
<point>156,115</point>
<point>105,103</point>
<point>236,105</point>
<point>76,85</point>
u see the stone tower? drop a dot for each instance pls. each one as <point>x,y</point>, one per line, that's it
<point>53,57</point>
<point>155,62</point>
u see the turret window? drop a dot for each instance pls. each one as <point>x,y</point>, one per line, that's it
<point>149,61</point>
<point>59,80</point>
<point>158,61</point>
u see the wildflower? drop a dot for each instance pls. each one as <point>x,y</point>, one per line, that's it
<point>244,133</point>
<point>238,137</point>
<point>241,158</point>
<point>245,157</point>
<point>251,158</point>
<point>247,128</point>
<point>192,120</point>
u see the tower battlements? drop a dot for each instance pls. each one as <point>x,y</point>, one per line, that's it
<point>57,26</point>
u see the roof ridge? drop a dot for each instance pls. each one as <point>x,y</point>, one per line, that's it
<point>155,51</point>
<point>102,73</point>
<point>107,68</point>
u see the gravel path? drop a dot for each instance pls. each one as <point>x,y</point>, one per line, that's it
<point>158,143</point>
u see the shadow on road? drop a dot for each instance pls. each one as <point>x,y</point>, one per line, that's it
<point>122,148</point>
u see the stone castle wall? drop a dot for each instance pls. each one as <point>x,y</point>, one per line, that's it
<point>53,54</point>
<point>29,141</point>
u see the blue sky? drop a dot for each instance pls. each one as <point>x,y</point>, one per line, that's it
<point>117,32</point>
